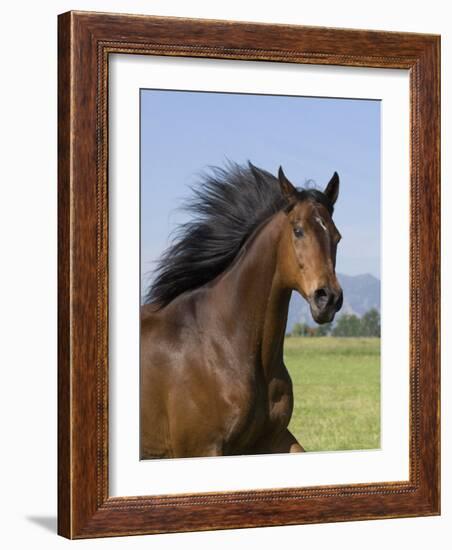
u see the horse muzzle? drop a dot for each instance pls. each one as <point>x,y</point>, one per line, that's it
<point>325,303</point>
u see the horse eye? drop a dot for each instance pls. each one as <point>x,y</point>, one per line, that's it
<point>298,232</point>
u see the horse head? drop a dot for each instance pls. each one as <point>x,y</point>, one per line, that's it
<point>307,256</point>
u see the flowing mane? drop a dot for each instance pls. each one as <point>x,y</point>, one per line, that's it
<point>227,206</point>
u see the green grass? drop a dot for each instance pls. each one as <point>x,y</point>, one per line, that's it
<point>336,384</point>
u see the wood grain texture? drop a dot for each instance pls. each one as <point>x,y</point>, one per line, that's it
<point>85,42</point>
<point>64,297</point>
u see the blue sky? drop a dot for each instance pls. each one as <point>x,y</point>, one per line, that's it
<point>182,133</point>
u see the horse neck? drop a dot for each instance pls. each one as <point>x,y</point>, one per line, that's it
<point>254,302</point>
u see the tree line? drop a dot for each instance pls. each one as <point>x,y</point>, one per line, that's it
<point>346,325</point>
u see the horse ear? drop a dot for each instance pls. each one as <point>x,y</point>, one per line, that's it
<point>332,189</point>
<point>288,190</point>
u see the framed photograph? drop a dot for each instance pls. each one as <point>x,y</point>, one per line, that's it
<point>248,275</point>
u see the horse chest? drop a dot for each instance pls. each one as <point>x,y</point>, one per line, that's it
<point>263,408</point>
<point>280,403</point>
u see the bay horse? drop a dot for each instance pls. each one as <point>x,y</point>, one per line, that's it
<point>213,380</point>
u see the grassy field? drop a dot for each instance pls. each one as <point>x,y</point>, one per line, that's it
<point>336,392</point>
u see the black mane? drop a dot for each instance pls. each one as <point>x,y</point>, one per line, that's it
<point>228,205</point>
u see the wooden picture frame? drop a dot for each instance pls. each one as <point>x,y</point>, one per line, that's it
<point>85,42</point>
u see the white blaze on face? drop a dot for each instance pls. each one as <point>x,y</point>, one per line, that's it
<point>321,223</point>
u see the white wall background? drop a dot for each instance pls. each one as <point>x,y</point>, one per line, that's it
<point>28,270</point>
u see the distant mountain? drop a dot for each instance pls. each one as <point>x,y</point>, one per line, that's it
<point>361,293</point>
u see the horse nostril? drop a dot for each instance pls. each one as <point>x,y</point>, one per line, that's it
<point>322,297</point>
<point>326,298</point>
